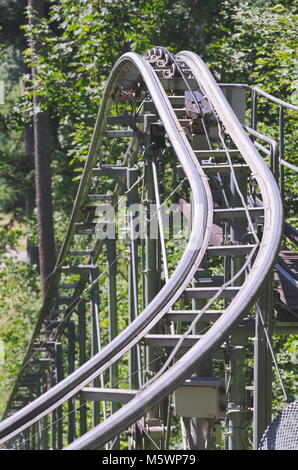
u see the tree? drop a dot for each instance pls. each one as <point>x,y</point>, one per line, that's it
<point>80,41</point>
<point>42,168</point>
<point>73,45</point>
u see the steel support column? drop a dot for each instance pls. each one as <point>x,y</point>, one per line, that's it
<point>60,376</point>
<point>133,198</point>
<point>152,275</point>
<point>262,363</point>
<point>113,320</point>
<point>236,417</point>
<point>82,359</point>
<point>95,338</point>
<point>71,434</point>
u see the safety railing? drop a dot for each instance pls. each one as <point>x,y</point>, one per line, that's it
<point>283,106</point>
<point>132,64</point>
<point>174,287</point>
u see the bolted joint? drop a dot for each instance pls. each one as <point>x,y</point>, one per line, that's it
<point>155,428</point>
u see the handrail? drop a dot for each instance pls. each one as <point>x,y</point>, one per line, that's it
<point>261,92</point>
<point>288,165</point>
<point>166,383</point>
<point>195,249</point>
<point>255,91</point>
<point>272,153</point>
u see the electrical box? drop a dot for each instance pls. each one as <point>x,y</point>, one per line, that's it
<point>200,397</point>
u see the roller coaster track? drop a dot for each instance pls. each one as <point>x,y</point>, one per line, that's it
<point>169,105</point>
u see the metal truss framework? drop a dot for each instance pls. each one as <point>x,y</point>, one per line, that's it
<point>166,132</point>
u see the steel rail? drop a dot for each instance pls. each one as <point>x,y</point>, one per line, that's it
<point>166,383</point>
<point>172,290</point>
<point>54,276</point>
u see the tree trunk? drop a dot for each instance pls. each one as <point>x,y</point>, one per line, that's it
<point>32,250</point>
<point>42,175</point>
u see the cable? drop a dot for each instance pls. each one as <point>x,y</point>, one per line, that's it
<point>271,351</point>
<point>198,316</point>
<point>83,404</point>
<point>76,302</point>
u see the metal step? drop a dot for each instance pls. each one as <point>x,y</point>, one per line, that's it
<point>178,100</point>
<point>23,397</point>
<point>107,394</point>
<point>206,154</point>
<point>148,106</point>
<point>110,171</point>
<point>183,122</point>
<point>170,341</point>
<point>119,134</point>
<point>42,360</point>
<point>62,300</point>
<point>229,250</point>
<point>88,228</point>
<point>85,231</point>
<point>178,84</point>
<point>100,197</point>
<point>73,285</point>
<point>126,119</point>
<point>180,112</point>
<point>45,344</point>
<point>81,253</point>
<point>236,212</point>
<point>208,281</point>
<point>93,207</point>
<point>85,228</point>
<point>208,292</point>
<point>46,332</point>
<point>55,312</point>
<point>54,324</point>
<point>190,315</point>
<point>78,269</point>
<point>31,383</point>
<point>223,168</point>
<point>163,341</point>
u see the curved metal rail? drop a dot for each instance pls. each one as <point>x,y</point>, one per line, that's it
<point>174,287</point>
<point>132,67</point>
<point>165,384</point>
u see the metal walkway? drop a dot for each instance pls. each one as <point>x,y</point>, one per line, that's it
<point>165,133</point>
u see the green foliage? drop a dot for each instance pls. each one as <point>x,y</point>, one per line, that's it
<point>11,17</point>
<point>78,43</point>
<point>9,239</point>
<point>11,153</point>
<point>257,45</point>
<point>19,304</point>
<point>287,358</point>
